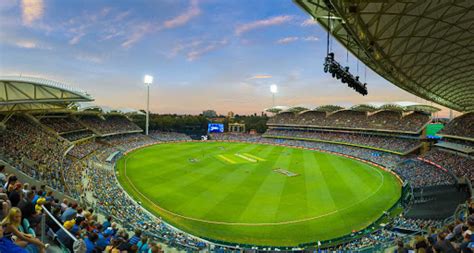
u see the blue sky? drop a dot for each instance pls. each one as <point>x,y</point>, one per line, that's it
<point>204,54</point>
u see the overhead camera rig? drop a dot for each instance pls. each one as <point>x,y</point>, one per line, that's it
<point>338,72</point>
<point>334,67</point>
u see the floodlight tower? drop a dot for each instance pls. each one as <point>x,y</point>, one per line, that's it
<point>273,90</point>
<point>148,80</point>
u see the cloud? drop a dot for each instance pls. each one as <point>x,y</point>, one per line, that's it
<point>31,11</point>
<point>76,38</point>
<point>192,12</point>
<point>287,40</point>
<point>26,44</point>
<point>260,77</point>
<point>198,52</point>
<point>180,47</point>
<point>140,31</point>
<point>309,22</point>
<point>241,29</point>
<point>311,38</point>
<point>89,58</point>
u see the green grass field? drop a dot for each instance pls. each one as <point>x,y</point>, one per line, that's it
<point>230,191</point>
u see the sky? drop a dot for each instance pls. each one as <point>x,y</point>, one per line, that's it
<point>203,54</point>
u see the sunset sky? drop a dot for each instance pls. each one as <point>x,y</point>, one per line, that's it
<point>204,54</point>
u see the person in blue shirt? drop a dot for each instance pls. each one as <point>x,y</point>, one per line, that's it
<point>104,239</point>
<point>37,196</point>
<point>142,245</point>
<point>107,223</point>
<point>70,213</point>
<point>90,242</point>
<point>136,237</point>
<point>7,245</point>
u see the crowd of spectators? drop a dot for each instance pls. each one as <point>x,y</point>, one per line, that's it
<point>22,208</point>
<point>62,124</point>
<point>34,151</point>
<point>126,142</point>
<point>415,224</point>
<point>109,124</point>
<point>74,136</point>
<point>378,237</point>
<point>421,174</point>
<point>460,164</point>
<point>236,137</point>
<point>169,136</point>
<point>105,152</point>
<point>376,141</point>
<point>349,119</point>
<point>453,237</point>
<point>462,126</point>
<point>83,149</point>
<point>109,195</point>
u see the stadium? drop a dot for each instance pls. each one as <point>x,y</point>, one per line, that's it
<point>367,177</point>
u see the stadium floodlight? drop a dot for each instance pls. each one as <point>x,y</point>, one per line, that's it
<point>273,90</point>
<point>148,80</point>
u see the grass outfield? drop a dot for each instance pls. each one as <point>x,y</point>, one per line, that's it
<point>230,191</point>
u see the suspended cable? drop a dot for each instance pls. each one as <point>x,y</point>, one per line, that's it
<point>365,73</point>
<point>358,61</point>
<point>347,50</point>
<point>329,31</point>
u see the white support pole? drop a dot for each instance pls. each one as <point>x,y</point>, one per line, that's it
<point>147,108</point>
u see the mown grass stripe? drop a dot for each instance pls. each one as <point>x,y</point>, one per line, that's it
<point>227,159</point>
<point>254,157</point>
<point>246,158</point>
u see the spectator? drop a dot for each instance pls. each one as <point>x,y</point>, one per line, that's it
<point>401,247</point>
<point>63,237</point>
<point>15,194</point>
<point>3,178</point>
<point>90,242</point>
<point>28,209</point>
<point>464,246</point>
<point>69,213</point>
<point>107,223</point>
<point>25,190</point>
<point>64,205</point>
<point>11,224</point>
<point>143,245</point>
<point>136,237</point>
<point>443,245</point>
<point>8,246</point>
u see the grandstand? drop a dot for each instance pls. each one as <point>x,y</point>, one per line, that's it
<point>396,128</point>
<point>63,160</point>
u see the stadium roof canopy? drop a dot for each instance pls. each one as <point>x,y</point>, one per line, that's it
<point>328,108</point>
<point>297,109</point>
<point>423,47</point>
<point>364,108</point>
<point>369,107</point>
<point>131,111</point>
<point>88,106</point>
<point>277,109</point>
<point>30,93</point>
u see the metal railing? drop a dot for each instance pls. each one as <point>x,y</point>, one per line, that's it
<point>45,231</point>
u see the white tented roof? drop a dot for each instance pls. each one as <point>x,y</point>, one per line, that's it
<point>19,93</point>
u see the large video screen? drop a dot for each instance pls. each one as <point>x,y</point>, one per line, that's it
<point>215,128</point>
